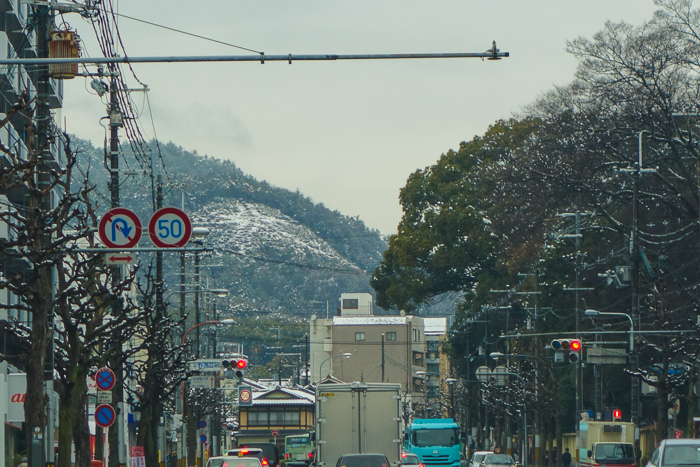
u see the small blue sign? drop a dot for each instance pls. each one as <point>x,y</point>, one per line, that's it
<point>104,415</point>
<point>203,439</point>
<point>202,423</point>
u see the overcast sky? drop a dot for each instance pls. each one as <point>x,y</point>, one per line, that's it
<point>344,133</point>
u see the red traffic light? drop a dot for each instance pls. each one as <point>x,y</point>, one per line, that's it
<point>566,345</point>
<point>617,414</point>
<point>242,364</point>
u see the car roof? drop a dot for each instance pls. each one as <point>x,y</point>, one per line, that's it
<point>483,452</point>
<point>251,449</point>
<point>234,459</point>
<point>681,442</point>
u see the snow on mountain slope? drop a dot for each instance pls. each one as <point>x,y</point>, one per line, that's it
<point>254,230</point>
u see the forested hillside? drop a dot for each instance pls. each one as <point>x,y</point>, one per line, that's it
<point>277,251</point>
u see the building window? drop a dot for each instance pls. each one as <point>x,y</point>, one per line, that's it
<point>350,304</point>
<point>258,418</point>
<point>274,418</point>
<point>359,336</point>
<point>284,418</point>
<point>416,335</point>
<point>418,358</point>
<point>391,335</point>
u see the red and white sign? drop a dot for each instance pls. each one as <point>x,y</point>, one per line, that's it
<point>169,228</point>
<point>120,228</point>
<point>17,390</point>
<point>120,258</point>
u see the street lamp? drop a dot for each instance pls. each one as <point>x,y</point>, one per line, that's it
<point>451,383</point>
<point>226,321</point>
<point>593,313</point>
<point>320,367</point>
<point>183,444</point>
<point>197,291</point>
<point>221,293</point>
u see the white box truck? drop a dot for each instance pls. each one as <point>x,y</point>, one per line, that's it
<point>357,418</point>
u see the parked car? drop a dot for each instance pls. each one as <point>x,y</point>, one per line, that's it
<point>410,460</point>
<point>270,450</point>
<point>497,460</point>
<point>250,452</point>
<point>676,452</point>
<point>363,460</point>
<point>233,461</point>
<point>477,457</point>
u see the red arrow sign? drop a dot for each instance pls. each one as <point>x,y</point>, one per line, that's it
<point>120,258</point>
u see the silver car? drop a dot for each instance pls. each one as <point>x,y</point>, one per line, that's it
<point>676,452</point>
<point>233,461</point>
<point>477,457</point>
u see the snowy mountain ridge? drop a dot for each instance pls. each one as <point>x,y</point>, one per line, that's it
<point>249,229</point>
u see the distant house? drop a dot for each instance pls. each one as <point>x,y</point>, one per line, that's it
<point>276,413</point>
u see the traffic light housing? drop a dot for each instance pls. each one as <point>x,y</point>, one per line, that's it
<point>235,367</point>
<point>570,347</point>
<point>241,365</point>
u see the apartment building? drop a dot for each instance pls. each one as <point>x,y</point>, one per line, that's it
<point>356,345</point>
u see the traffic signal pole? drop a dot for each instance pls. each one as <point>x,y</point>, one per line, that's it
<point>491,54</point>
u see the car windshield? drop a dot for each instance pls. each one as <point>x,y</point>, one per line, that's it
<point>233,462</point>
<point>614,453</point>
<point>410,459</point>
<point>498,459</point>
<point>479,457</point>
<point>681,455</point>
<point>363,461</point>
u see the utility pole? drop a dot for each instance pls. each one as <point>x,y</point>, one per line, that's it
<point>116,436</point>
<point>637,171</point>
<point>40,422</point>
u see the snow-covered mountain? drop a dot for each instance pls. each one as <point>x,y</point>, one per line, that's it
<point>275,250</point>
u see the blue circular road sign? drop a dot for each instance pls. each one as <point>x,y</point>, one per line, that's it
<point>105,379</point>
<point>104,415</point>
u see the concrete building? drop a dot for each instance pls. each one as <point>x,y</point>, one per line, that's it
<point>20,38</point>
<point>359,346</point>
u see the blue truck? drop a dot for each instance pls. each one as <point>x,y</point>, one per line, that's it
<point>436,441</point>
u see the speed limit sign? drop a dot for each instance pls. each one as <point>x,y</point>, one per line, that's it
<point>169,228</point>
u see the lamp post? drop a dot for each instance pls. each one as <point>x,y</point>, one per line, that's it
<point>496,356</point>
<point>451,383</point>
<point>633,403</point>
<point>221,293</point>
<point>320,367</point>
<point>484,375</point>
<point>593,313</point>
<point>199,234</point>
<point>183,443</point>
